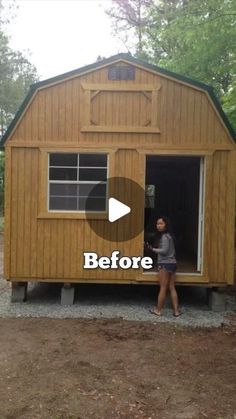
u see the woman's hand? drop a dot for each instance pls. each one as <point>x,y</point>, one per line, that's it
<point>148,246</point>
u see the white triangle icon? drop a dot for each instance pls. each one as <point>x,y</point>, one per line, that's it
<point>117,209</point>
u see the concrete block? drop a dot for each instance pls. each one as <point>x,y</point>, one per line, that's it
<point>216,300</point>
<point>67,296</point>
<point>231,303</point>
<point>19,293</point>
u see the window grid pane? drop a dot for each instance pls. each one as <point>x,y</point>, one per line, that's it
<point>68,192</point>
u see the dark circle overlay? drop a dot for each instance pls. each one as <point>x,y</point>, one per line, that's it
<point>131,225</point>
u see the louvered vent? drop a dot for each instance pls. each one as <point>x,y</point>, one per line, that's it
<point>121,72</point>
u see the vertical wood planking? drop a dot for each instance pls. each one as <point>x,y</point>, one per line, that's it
<point>21,131</point>
<point>170,113</point>
<point>190,117</point>
<point>40,249</point>
<point>204,120</point>
<point>8,213</point>
<point>53,249</point>
<point>51,115</point>
<point>67,248</point>
<point>26,219</point>
<point>75,122</point>
<point>48,115</point>
<point>34,176</point>
<point>20,213</point>
<point>197,118</point>
<point>14,211</point>
<point>210,127</point>
<point>35,119</point>
<point>216,246</point>
<point>69,111</point>
<point>154,113</point>
<point>55,114</point>
<point>87,107</point>
<point>41,116</point>
<point>60,248</point>
<point>28,126</point>
<point>230,221</point>
<point>222,220</point>
<point>163,112</point>
<point>62,113</point>
<point>87,245</point>
<point>184,135</point>
<point>48,248</point>
<point>177,114</point>
<point>80,248</point>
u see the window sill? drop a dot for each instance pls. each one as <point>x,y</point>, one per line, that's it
<point>73,215</point>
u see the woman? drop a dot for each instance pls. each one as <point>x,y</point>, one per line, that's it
<point>166,267</point>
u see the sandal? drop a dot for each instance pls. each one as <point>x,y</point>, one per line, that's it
<point>152,311</point>
<point>177,315</point>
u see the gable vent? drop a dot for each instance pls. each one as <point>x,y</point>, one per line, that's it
<point>121,72</point>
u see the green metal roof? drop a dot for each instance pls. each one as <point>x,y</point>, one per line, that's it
<point>108,61</point>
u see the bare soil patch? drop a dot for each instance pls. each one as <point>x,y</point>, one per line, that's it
<point>79,368</point>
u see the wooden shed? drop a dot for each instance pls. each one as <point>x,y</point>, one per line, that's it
<point>121,117</point>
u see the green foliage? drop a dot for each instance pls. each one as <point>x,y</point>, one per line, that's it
<point>16,75</point>
<point>229,103</point>
<point>196,38</point>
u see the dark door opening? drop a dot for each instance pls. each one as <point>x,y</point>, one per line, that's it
<point>172,189</point>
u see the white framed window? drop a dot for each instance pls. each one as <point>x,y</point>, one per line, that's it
<point>77,181</point>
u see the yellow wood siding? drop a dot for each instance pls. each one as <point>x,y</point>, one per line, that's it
<point>184,115</point>
<point>221,206</point>
<point>51,249</point>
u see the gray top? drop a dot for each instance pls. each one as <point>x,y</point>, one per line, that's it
<point>166,249</point>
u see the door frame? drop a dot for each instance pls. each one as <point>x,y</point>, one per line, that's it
<point>201,204</point>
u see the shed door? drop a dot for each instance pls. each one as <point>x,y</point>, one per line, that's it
<point>175,188</point>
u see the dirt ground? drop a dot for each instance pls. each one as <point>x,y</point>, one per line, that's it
<point>105,369</point>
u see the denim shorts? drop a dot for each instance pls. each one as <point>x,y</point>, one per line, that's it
<point>169,267</point>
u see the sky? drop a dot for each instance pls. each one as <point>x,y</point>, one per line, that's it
<point>62,35</point>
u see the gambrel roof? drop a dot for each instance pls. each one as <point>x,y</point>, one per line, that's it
<point>114,59</point>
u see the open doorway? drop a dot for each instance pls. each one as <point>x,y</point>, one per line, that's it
<point>174,188</point>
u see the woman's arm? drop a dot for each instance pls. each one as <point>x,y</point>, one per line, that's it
<point>165,243</point>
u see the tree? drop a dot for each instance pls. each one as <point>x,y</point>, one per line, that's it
<point>129,22</point>
<point>16,75</point>
<point>229,103</point>
<point>196,38</point>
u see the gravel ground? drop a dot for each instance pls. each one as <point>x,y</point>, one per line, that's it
<point>109,301</point>
<point>129,302</point>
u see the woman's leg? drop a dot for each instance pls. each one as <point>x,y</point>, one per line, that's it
<point>173,295</point>
<point>164,282</point>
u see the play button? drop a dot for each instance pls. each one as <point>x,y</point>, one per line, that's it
<point>117,210</point>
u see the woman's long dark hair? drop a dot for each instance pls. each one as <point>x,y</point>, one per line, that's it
<point>168,228</point>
